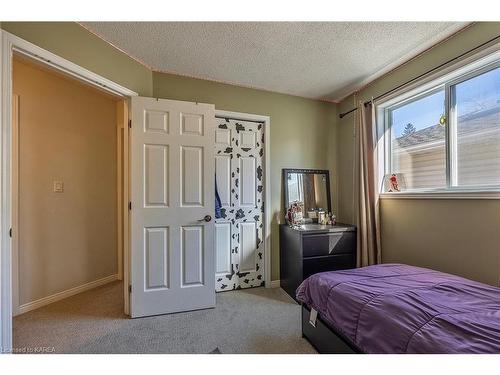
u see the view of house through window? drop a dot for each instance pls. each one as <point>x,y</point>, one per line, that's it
<point>478,130</point>
<point>420,141</point>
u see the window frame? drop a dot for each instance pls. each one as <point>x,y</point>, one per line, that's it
<point>447,79</point>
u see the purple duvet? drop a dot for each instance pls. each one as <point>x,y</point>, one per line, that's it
<point>395,308</point>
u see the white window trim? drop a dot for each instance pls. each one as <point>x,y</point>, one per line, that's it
<point>443,194</point>
<point>469,66</point>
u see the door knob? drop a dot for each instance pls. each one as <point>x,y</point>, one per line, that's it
<point>207,218</point>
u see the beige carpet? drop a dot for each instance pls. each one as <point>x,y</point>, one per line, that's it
<point>255,320</point>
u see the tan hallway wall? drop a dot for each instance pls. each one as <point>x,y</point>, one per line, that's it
<point>457,236</point>
<point>299,130</point>
<point>67,133</point>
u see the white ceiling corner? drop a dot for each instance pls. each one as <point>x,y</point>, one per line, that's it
<point>320,60</point>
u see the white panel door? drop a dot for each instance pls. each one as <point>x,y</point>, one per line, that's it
<point>172,204</point>
<point>239,155</point>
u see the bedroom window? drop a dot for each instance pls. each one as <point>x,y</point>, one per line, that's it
<point>445,135</point>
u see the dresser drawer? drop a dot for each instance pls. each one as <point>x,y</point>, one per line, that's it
<point>328,244</point>
<point>328,263</point>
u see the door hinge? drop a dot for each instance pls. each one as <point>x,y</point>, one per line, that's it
<point>130,205</point>
<point>10,232</point>
<point>130,288</point>
<point>130,124</point>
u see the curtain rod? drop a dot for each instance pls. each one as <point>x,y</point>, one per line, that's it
<point>420,76</point>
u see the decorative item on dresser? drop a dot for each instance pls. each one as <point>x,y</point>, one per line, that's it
<point>307,245</point>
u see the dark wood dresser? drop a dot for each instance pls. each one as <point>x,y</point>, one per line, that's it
<point>313,248</point>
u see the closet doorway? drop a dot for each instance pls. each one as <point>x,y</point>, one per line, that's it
<point>69,162</point>
<point>241,231</point>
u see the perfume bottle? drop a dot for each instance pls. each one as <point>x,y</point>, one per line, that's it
<point>321,217</point>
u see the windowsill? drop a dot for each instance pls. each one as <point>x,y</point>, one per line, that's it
<point>443,194</point>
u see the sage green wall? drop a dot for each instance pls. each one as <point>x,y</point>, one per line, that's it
<point>302,130</point>
<point>456,236</point>
<point>76,44</point>
<point>299,129</point>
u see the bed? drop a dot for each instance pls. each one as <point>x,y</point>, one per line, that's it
<point>396,308</point>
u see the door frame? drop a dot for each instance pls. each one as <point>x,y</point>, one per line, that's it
<point>266,120</point>
<point>9,44</point>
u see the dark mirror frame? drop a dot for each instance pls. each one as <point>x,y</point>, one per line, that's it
<point>286,172</point>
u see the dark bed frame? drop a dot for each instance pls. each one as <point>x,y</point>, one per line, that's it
<point>325,339</point>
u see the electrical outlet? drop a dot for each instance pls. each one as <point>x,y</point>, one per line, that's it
<point>58,186</point>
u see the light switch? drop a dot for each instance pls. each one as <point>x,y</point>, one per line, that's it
<point>58,186</point>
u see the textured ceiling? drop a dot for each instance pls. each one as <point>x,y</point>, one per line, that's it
<point>322,60</point>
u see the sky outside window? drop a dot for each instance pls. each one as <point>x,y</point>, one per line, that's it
<point>479,93</point>
<point>421,113</point>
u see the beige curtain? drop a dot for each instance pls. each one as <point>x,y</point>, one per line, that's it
<point>368,218</point>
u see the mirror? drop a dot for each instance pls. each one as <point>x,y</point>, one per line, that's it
<point>311,187</point>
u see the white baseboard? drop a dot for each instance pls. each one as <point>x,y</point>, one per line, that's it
<point>64,294</point>
<point>275,284</point>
